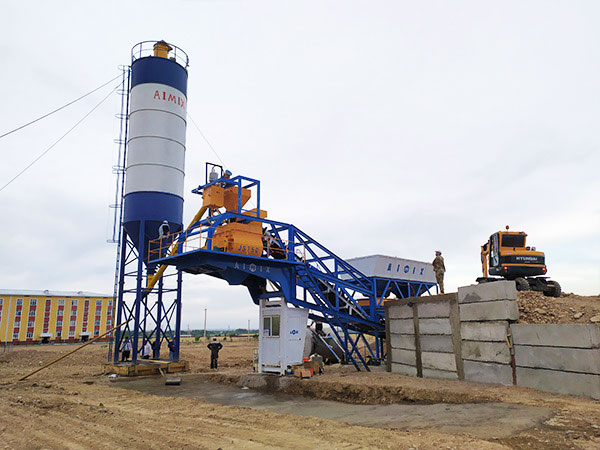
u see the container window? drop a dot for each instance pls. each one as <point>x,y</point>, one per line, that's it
<point>61,302</point>
<point>275,323</point>
<point>19,301</point>
<point>33,302</point>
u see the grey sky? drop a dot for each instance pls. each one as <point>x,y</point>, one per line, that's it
<point>376,127</point>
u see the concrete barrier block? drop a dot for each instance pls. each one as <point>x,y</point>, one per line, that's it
<point>432,310</point>
<point>441,344</point>
<point>560,382</point>
<point>407,357</point>
<point>484,331</point>
<point>403,341</point>
<point>442,374</point>
<point>497,352</point>
<point>584,360</point>
<point>438,361</point>
<point>400,312</point>
<point>402,326</point>
<point>492,310</point>
<point>486,292</point>
<point>404,369</point>
<point>484,372</point>
<point>434,326</point>
<point>563,335</point>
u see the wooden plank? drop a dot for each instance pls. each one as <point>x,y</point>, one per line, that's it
<point>456,337</point>
<point>417,341</point>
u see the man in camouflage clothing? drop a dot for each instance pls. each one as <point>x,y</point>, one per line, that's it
<point>439,269</point>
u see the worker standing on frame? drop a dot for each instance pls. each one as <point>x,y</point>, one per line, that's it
<point>439,268</point>
<point>214,348</point>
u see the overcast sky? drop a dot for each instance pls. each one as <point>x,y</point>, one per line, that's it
<point>388,127</point>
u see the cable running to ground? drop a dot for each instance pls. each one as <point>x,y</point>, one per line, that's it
<point>61,138</point>
<point>58,109</point>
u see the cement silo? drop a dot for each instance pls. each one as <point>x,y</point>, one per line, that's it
<point>156,141</point>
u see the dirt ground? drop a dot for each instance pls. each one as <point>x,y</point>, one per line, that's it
<point>73,405</point>
<point>535,307</point>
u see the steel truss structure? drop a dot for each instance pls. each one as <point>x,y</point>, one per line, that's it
<point>295,267</point>
<point>151,315</point>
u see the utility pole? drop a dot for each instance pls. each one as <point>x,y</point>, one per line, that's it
<point>204,324</point>
<point>248,329</point>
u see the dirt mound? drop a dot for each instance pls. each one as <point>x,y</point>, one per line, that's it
<point>535,307</point>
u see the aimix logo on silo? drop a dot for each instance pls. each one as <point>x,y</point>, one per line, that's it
<point>169,98</point>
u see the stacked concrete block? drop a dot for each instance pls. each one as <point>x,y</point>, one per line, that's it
<point>402,354</point>
<point>435,337</point>
<point>558,358</point>
<point>485,313</point>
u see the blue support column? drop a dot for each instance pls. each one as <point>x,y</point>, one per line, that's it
<point>178,315</point>
<point>159,310</point>
<point>138,293</point>
<point>119,331</point>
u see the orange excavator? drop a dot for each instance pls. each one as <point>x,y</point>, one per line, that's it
<point>507,256</point>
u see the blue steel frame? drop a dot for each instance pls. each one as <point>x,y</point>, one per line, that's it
<point>300,270</point>
<point>149,315</point>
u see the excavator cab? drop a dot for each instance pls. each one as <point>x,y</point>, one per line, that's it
<point>507,256</point>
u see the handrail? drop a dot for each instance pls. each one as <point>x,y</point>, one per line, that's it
<point>152,281</point>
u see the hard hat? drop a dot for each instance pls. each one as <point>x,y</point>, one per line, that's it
<point>228,172</point>
<point>166,221</point>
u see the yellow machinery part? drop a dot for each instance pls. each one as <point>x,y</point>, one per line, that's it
<point>162,49</point>
<point>240,238</point>
<point>159,273</point>
<point>231,198</point>
<point>213,197</point>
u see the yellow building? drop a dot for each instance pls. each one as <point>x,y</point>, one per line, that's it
<point>28,317</point>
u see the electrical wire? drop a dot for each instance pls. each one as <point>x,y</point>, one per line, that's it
<point>61,138</point>
<point>206,140</point>
<point>58,109</point>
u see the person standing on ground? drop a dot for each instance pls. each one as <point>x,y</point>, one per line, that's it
<point>171,350</point>
<point>147,350</point>
<point>125,349</point>
<point>439,268</point>
<point>214,348</point>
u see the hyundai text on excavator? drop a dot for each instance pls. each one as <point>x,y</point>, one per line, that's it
<point>506,255</point>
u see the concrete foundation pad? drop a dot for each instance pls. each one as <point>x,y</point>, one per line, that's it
<point>488,372</point>
<point>484,331</point>
<point>583,360</point>
<point>563,335</point>
<point>434,326</point>
<point>436,344</point>
<point>497,352</point>
<point>404,369</point>
<point>403,341</point>
<point>441,374</point>
<point>400,312</point>
<point>485,292</point>
<point>402,326</point>
<point>438,361</point>
<point>492,310</point>
<point>433,310</point>
<point>560,382</point>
